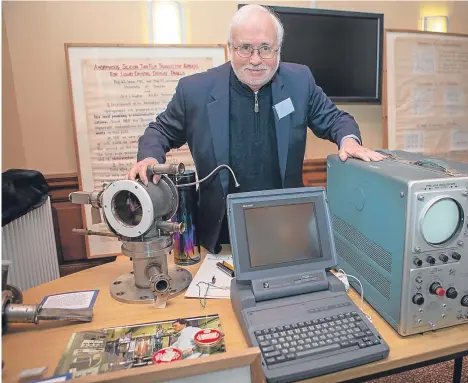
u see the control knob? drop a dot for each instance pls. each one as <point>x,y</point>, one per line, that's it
<point>456,256</point>
<point>437,289</point>
<point>464,301</point>
<point>418,299</point>
<point>417,262</point>
<point>443,257</point>
<point>430,260</point>
<point>451,293</point>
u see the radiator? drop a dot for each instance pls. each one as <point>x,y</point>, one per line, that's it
<point>29,243</point>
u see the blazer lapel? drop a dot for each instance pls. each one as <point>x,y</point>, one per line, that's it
<point>282,126</point>
<point>218,115</point>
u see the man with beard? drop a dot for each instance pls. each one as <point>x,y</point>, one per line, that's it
<point>252,114</point>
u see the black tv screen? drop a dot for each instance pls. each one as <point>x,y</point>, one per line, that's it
<point>342,49</point>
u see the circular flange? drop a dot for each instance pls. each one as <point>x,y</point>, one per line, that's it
<point>112,216</point>
<point>124,290</point>
<point>17,295</point>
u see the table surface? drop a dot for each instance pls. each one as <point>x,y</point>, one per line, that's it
<point>29,346</point>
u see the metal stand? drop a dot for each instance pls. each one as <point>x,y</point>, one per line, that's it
<point>457,370</point>
<point>151,279</point>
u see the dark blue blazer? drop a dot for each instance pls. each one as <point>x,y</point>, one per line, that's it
<point>198,114</point>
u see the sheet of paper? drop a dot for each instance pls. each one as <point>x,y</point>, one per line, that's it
<point>459,139</point>
<point>423,101</point>
<point>121,98</point>
<point>453,100</point>
<point>427,84</point>
<point>424,60</point>
<point>414,141</point>
<point>207,270</point>
<point>77,300</point>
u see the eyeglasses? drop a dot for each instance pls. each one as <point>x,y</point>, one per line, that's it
<point>246,50</point>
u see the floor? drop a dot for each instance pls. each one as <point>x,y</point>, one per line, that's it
<point>437,373</point>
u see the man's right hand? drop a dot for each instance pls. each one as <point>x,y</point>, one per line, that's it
<point>140,169</point>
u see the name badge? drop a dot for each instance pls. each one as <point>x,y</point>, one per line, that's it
<point>283,108</point>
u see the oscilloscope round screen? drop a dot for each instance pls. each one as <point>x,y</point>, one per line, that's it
<point>442,221</point>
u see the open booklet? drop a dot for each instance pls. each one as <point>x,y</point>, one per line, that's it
<point>119,348</point>
<point>74,305</point>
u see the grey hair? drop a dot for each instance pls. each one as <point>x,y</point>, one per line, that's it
<point>245,11</point>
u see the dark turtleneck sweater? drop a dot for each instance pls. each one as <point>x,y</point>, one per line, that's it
<point>253,150</point>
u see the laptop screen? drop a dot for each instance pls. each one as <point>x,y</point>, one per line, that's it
<point>282,233</point>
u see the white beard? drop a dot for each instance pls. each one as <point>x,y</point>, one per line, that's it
<point>258,82</point>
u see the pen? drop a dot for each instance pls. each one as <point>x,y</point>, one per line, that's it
<point>225,268</point>
<point>228,266</point>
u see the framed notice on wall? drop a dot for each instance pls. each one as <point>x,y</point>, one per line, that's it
<point>426,89</point>
<point>116,91</point>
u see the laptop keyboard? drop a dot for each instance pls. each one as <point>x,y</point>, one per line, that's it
<point>316,337</point>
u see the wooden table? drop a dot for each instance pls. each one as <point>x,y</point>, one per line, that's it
<point>28,346</point>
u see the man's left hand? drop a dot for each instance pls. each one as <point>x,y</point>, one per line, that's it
<point>351,148</point>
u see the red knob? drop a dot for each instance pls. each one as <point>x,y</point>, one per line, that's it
<point>437,289</point>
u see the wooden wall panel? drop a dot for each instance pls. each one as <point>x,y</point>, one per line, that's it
<point>68,217</point>
<point>315,172</point>
<point>71,248</point>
